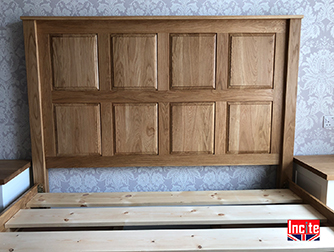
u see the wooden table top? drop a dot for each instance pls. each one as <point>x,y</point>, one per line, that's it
<point>322,165</point>
<point>11,168</point>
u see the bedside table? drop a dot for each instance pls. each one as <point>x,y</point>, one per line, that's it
<point>316,175</point>
<point>14,180</point>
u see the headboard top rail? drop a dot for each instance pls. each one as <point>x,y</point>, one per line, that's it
<point>161,17</point>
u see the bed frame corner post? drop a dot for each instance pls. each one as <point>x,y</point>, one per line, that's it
<point>286,168</point>
<point>35,99</point>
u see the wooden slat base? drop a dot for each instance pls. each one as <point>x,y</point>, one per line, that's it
<point>274,196</point>
<point>266,239</point>
<point>223,215</point>
<point>18,204</point>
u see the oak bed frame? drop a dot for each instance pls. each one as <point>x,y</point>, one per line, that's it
<point>162,91</point>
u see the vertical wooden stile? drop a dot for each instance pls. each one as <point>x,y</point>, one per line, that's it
<point>104,54</point>
<point>290,101</point>
<point>164,128</point>
<point>222,58</point>
<point>278,85</point>
<point>35,104</point>
<point>46,84</point>
<point>163,61</point>
<point>220,128</point>
<point>107,136</point>
<point>104,61</point>
<point>163,85</point>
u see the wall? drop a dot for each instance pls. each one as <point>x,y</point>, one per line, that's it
<point>315,90</point>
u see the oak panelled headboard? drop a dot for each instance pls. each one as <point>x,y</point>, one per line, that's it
<point>158,91</point>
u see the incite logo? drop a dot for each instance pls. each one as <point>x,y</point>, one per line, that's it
<point>303,230</point>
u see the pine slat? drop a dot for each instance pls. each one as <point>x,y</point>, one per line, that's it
<point>18,204</point>
<point>88,217</point>
<point>264,239</point>
<point>274,196</point>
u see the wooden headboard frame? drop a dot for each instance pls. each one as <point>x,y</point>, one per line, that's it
<point>162,91</point>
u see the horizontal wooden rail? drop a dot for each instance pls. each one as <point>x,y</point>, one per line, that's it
<point>133,216</point>
<point>253,239</point>
<point>154,96</point>
<point>161,17</point>
<point>273,196</point>
<point>160,160</point>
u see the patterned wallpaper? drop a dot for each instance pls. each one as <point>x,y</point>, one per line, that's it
<point>315,90</point>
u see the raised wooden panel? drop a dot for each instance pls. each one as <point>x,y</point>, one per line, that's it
<point>193,60</point>
<point>135,61</point>
<point>252,60</point>
<point>136,128</point>
<point>75,62</point>
<point>78,129</point>
<point>249,127</point>
<point>192,128</point>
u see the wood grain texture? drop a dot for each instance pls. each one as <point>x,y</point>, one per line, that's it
<point>279,98</point>
<point>163,61</point>
<point>220,128</point>
<point>222,61</point>
<point>166,25</point>
<point>164,128</point>
<point>11,168</point>
<point>35,105</point>
<point>279,83</point>
<point>162,160</point>
<point>252,60</point>
<point>119,96</point>
<point>167,215</point>
<point>193,61</point>
<point>107,129</point>
<point>128,44</point>
<point>104,56</point>
<point>75,62</point>
<point>249,127</point>
<point>322,165</point>
<point>290,101</point>
<point>135,61</point>
<point>18,204</point>
<point>242,197</point>
<point>266,239</point>
<point>78,129</point>
<point>136,128</point>
<point>192,128</point>
<point>45,68</point>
